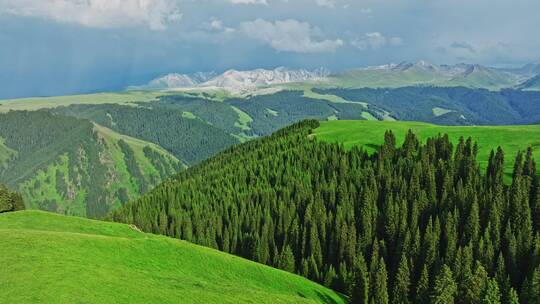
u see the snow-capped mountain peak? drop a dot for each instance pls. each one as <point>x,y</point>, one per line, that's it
<point>235,80</point>
<point>176,80</point>
<point>241,80</point>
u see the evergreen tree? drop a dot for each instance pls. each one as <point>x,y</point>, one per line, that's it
<point>423,288</point>
<point>492,294</point>
<point>380,289</point>
<point>360,292</point>
<point>445,288</point>
<point>512,297</point>
<point>402,283</point>
<point>286,260</point>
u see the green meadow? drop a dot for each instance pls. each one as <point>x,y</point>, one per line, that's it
<point>50,258</point>
<point>36,103</point>
<point>370,134</point>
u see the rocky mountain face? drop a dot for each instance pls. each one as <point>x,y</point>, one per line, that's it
<point>234,80</point>
<point>238,80</point>
<point>176,80</point>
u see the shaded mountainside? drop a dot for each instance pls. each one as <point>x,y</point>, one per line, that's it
<point>449,106</point>
<point>78,260</point>
<point>414,223</point>
<point>73,166</point>
<point>531,84</point>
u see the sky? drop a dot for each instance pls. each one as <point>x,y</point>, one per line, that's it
<point>59,47</point>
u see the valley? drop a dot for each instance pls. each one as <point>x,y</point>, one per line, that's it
<point>171,130</point>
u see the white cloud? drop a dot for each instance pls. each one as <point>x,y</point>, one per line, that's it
<point>218,26</point>
<point>156,14</point>
<point>327,3</point>
<point>375,41</point>
<point>264,2</point>
<point>290,36</point>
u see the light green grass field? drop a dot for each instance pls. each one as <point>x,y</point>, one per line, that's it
<point>331,98</point>
<point>36,103</point>
<point>49,258</point>
<point>368,116</point>
<point>370,134</point>
<point>243,119</point>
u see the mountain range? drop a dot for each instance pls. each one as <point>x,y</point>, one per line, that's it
<point>421,73</point>
<point>236,81</point>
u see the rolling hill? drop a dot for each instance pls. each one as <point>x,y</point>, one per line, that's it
<point>73,166</point>
<point>370,134</point>
<point>49,258</point>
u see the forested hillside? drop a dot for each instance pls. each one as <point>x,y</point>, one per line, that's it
<point>411,223</point>
<point>449,106</point>
<point>190,140</point>
<point>73,166</point>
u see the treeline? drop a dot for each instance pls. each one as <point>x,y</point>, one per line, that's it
<point>10,201</point>
<point>418,223</point>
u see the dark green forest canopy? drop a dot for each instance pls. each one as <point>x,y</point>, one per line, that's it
<point>417,223</point>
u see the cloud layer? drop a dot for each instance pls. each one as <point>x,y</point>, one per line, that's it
<point>289,35</point>
<point>375,41</point>
<point>156,14</point>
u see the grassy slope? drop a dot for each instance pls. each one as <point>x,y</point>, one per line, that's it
<point>332,98</point>
<point>36,103</point>
<point>371,134</point>
<point>48,258</point>
<point>385,79</point>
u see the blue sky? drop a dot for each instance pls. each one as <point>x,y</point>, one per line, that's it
<point>53,47</point>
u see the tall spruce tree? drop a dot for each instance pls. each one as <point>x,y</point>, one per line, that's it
<point>445,288</point>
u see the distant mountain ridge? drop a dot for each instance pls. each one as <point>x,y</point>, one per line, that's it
<point>420,73</point>
<point>176,80</point>
<point>531,84</point>
<point>428,74</point>
<point>235,80</point>
<point>239,80</point>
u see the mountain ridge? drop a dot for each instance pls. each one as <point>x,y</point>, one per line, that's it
<point>401,74</point>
